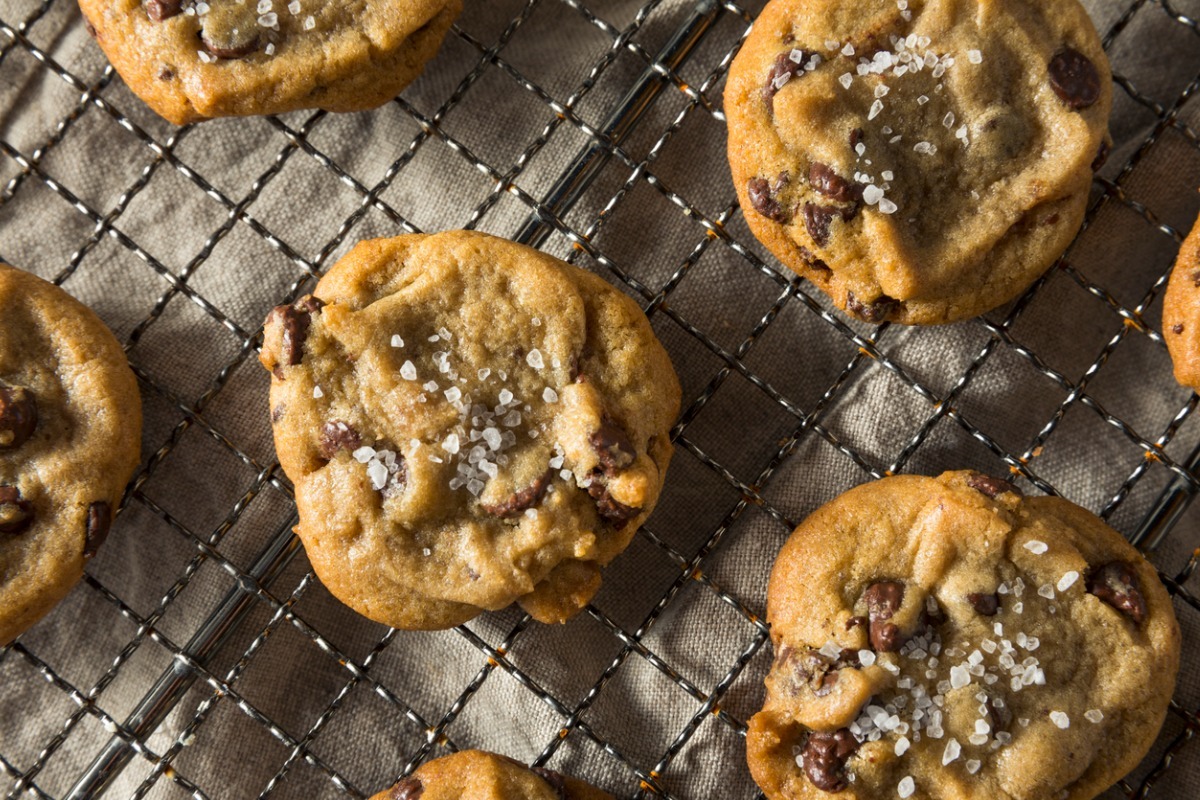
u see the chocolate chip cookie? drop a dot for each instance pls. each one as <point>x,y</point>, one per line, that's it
<point>70,438</point>
<point>478,775</point>
<point>948,638</point>
<point>468,423</point>
<point>196,59</point>
<point>1181,312</point>
<point>921,161</point>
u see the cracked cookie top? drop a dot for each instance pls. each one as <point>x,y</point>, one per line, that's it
<point>468,423</point>
<point>191,60</point>
<point>70,438</point>
<point>946,638</point>
<point>479,775</point>
<point>921,161</point>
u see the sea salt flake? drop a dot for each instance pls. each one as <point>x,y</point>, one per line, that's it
<point>408,371</point>
<point>453,394</point>
<point>378,474</point>
<point>450,444</point>
<point>549,395</point>
<point>881,90</point>
<point>902,745</point>
<point>952,752</point>
<point>1067,580</point>
<point>317,392</point>
<point>1046,591</point>
<point>887,206</point>
<point>1036,547</point>
<point>876,108</point>
<point>1093,715</point>
<point>907,787</point>
<point>309,23</point>
<point>845,80</point>
<point>505,397</point>
<point>1060,719</point>
<point>848,50</point>
<point>973,766</point>
<point>922,100</point>
<point>866,657</point>
<point>975,56</point>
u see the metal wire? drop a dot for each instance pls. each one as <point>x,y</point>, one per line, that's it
<point>259,585</point>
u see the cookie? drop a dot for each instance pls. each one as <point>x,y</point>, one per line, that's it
<point>1181,312</point>
<point>468,422</point>
<point>920,161</point>
<point>191,61</point>
<point>478,775</point>
<point>70,439</point>
<point>948,638</point>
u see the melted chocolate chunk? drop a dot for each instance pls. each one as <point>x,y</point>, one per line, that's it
<point>556,781</point>
<point>159,10</point>
<point>818,671</point>
<point>763,200</point>
<point>613,447</point>
<point>1178,328</point>
<point>1116,583</point>
<point>874,312</point>
<point>856,137</point>
<point>855,622</point>
<point>528,497</point>
<point>782,71</point>
<point>832,185</point>
<point>99,522</point>
<point>985,604</point>
<point>992,487</point>
<point>16,514</point>
<point>18,415</point>
<point>1074,79</point>
<point>815,264</point>
<point>234,48</point>
<point>817,219</point>
<point>295,321</point>
<point>410,788</point>
<point>608,508</point>
<point>1196,279</point>
<point>824,756</point>
<point>337,435</point>
<point>883,600</point>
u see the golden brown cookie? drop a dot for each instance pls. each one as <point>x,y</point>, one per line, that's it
<point>70,438</point>
<point>1181,312</point>
<point>478,775</point>
<point>921,161</point>
<point>195,59</point>
<point>946,638</point>
<point>468,422</point>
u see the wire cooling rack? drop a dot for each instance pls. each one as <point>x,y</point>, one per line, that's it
<point>179,692</point>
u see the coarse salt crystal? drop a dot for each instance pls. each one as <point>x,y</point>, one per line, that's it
<point>505,397</point>
<point>975,56</point>
<point>925,148</point>
<point>872,194</point>
<point>1046,591</point>
<point>450,444</point>
<point>408,371</point>
<point>902,745</point>
<point>309,23</point>
<point>378,474</point>
<point>549,395</point>
<point>881,90</point>
<point>876,108</point>
<point>866,657</point>
<point>317,392</point>
<point>294,7</point>
<point>887,206</point>
<point>430,386</point>
<point>1036,547</point>
<point>907,787</point>
<point>952,752</point>
<point>959,677</point>
<point>397,341</point>
<point>453,394</point>
<point>534,359</point>
<point>1093,715</point>
<point>1060,719</point>
<point>848,50</point>
<point>492,437</point>
<point>264,6</point>
<point>922,100</point>
<point>269,20</point>
<point>1067,580</point>
<point>973,766</point>
<point>845,80</point>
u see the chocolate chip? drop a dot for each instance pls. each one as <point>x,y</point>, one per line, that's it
<point>817,219</point>
<point>856,137</point>
<point>992,487</point>
<point>824,756</point>
<point>1177,328</point>
<point>18,415</point>
<point>337,435</point>
<point>16,514</point>
<point>763,200</point>
<point>608,508</point>
<point>832,185</point>
<point>1116,583</point>
<point>612,446</point>
<point>1074,79</point>
<point>159,10</point>
<point>278,411</point>
<point>166,74</point>
<point>874,312</point>
<point>855,622</point>
<point>235,47</point>
<point>295,321</point>
<point>556,781</point>
<point>528,497</point>
<point>784,66</point>
<point>1101,155</point>
<point>815,264</point>
<point>99,522</point>
<point>1196,279</point>
<point>883,600</point>
<point>985,604</point>
<point>408,789</point>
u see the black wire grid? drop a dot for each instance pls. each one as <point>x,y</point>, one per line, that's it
<point>668,61</point>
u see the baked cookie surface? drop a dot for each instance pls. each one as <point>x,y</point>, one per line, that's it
<point>70,439</point>
<point>478,775</point>
<point>1181,311</point>
<point>947,638</point>
<point>191,60</point>
<point>923,161</point>
<point>468,423</point>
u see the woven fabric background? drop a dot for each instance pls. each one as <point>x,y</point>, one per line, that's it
<point>183,239</point>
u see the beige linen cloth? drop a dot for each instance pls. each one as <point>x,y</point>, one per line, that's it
<point>182,240</point>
